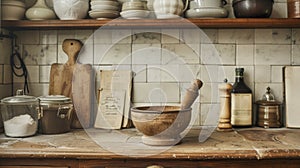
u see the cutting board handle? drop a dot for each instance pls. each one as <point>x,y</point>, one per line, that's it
<point>72,48</point>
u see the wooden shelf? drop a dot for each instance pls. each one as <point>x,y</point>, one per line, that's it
<point>153,23</point>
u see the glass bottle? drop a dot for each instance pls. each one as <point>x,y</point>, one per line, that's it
<point>241,101</point>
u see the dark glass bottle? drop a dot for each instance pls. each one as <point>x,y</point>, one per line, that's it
<point>241,101</point>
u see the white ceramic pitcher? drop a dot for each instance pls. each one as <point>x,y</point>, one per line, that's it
<point>168,9</point>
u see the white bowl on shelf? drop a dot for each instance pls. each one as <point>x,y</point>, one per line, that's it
<point>104,2</point>
<point>12,10</point>
<point>104,14</point>
<point>135,14</point>
<point>71,9</point>
<point>207,12</point>
<point>104,7</point>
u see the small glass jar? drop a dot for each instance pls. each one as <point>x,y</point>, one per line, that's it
<point>20,115</point>
<point>269,111</point>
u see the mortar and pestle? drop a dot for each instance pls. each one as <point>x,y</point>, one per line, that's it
<point>162,125</point>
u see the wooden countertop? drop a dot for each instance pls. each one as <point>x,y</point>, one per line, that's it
<point>252,143</point>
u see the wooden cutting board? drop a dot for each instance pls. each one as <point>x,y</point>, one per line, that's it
<point>73,80</point>
<point>291,95</point>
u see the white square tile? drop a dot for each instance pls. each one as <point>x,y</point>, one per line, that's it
<point>7,76</point>
<point>296,36</point>
<point>37,90</point>
<point>103,36</point>
<point>180,54</point>
<point>209,73</point>
<point>190,35</point>
<point>295,54</point>
<point>6,91</point>
<point>209,36</point>
<point>226,72</point>
<point>145,37</point>
<point>169,73</point>
<point>209,115</point>
<point>236,36</point>
<point>245,54</point>
<point>28,37</point>
<point>121,36</point>
<point>170,36</point>
<point>276,74</point>
<point>189,72</point>
<point>39,54</point>
<point>48,37</point>
<point>218,54</point>
<point>173,73</point>
<point>112,54</point>
<point>33,74</point>
<point>209,93</point>
<point>84,35</point>
<point>45,74</point>
<point>156,93</point>
<point>272,54</point>
<point>140,73</point>
<point>146,54</point>
<point>6,50</point>
<point>86,54</point>
<point>154,73</point>
<point>262,73</point>
<point>273,36</point>
<point>127,67</point>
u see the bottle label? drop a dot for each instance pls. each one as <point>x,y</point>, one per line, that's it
<point>241,109</point>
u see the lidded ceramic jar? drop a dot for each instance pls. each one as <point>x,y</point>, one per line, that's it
<point>268,111</point>
<point>56,112</point>
<point>20,115</point>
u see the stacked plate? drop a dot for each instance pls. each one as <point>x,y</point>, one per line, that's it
<point>135,9</point>
<point>104,9</point>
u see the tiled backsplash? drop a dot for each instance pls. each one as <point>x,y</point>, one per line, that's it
<point>165,61</point>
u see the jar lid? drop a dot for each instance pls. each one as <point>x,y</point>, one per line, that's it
<point>55,99</point>
<point>268,98</point>
<point>20,98</point>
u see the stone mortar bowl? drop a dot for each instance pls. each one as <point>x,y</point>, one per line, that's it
<point>161,125</point>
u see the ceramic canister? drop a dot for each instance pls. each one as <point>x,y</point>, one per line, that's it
<point>268,111</point>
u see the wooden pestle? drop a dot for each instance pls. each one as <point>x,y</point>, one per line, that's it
<point>191,94</point>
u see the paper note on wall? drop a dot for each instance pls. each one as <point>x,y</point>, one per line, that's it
<point>116,84</point>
